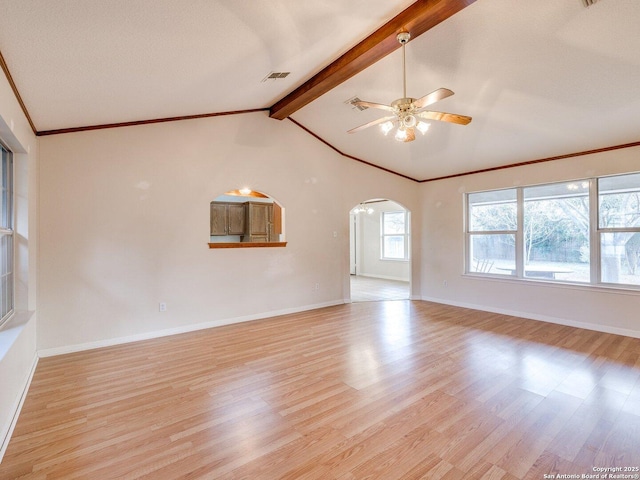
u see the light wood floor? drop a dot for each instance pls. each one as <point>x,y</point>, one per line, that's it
<point>369,289</point>
<point>381,390</point>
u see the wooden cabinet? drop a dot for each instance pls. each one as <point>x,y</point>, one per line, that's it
<point>252,221</point>
<point>219,218</point>
<point>227,218</point>
<point>258,221</point>
<point>276,223</point>
<point>236,219</point>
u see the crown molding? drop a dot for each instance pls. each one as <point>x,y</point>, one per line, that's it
<point>16,93</point>
<point>145,122</point>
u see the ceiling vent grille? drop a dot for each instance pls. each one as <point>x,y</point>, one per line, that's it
<point>351,101</point>
<point>275,76</point>
<point>588,3</point>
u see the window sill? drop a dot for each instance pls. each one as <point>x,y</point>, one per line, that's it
<point>12,329</point>
<point>247,244</point>
<point>603,288</point>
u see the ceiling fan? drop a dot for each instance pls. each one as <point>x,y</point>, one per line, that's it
<point>408,112</point>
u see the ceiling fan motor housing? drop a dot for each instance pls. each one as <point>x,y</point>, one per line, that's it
<point>405,107</point>
<point>404,104</point>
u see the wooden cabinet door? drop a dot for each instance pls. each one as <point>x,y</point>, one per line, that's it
<point>259,219</point>
<point>276,223</point>
<point>218,218</point>
<point>236,219</point>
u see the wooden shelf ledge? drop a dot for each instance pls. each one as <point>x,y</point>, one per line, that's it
<point>247,244</point>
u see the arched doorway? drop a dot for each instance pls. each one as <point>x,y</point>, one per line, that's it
<point>380,251</point>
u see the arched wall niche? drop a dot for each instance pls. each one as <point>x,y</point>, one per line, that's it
<point>246,218</point>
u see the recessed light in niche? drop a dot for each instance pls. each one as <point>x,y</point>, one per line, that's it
<point>246,192</point>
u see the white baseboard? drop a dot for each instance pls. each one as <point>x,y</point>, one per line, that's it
<point>50,352</point>
<point>6,435</point>
<point>541,318</point>
<point>382,277</point>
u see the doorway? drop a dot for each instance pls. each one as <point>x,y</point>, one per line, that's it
<point>380,251</point>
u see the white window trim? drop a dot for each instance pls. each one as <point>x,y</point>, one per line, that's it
<point>405,236</point>
<point>10,232</point>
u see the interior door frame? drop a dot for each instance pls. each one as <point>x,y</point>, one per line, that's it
<point>353,244</point>
<point>356,243</point>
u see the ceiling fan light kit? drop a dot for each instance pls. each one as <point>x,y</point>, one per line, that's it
<point>386,127</point>
<point>405,134</point>
<point>423,127</point>
<point>409,113</point>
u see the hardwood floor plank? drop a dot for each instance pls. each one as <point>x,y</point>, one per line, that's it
<point>278,464</point>
<point>574,435</point>
<point>555,410</point>
<point>620,449</point>
<point>553,466</point>
<point>485,471</point>
<point>385,390</point>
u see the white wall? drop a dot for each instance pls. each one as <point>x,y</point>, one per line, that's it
<point>369,246</point>
<point>125,225</point>
<point>18,336</point>
<point>601,309</point>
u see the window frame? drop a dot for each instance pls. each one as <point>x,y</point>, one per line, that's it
<point>7,229</point>
<point>599,231</point>
<point>469,234</point>
<point>595,236</point>
<point>405,236</point>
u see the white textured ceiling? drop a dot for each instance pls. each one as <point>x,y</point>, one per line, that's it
<point>88,62</point>
<point>540,79</point>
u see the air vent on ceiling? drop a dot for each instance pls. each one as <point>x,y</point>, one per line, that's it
<point>588,3</point>
<point>356,107</point>
<point>275,76</point>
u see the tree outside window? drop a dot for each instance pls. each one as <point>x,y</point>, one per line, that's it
<point>556,231</point>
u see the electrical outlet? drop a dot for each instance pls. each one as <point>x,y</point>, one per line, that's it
<point>317,287</point>
<point>445,283</point>
<point>162,307</point>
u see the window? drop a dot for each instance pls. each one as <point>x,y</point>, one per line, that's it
<point>6,236</point>
<point>556,232</point>
<point>493,222</point>
<point>619,229</point>
<point>585,231</point>
<point>395,236</point>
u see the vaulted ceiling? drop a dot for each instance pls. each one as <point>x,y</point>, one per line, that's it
<point>540,79</point>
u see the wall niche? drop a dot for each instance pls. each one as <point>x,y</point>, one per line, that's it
<point>245,218</point>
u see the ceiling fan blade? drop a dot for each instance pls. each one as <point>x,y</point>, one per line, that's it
<point>445,117</point>
<point>370,124</point>
<point>433,97</point>
<point>381,106</point>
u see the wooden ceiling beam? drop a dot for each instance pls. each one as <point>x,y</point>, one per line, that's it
<point>417,19</point>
